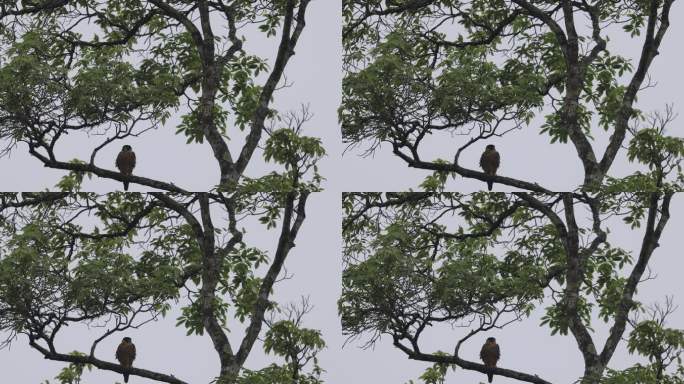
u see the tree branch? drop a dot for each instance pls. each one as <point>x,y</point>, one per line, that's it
<point>285,52</point>
<point>649,244</point>
<point>105,173</point>
<point>471,366</point>
<point>648,53</point>
<point>469,173</point>
<point>105,365</point>
<point>288,234</point>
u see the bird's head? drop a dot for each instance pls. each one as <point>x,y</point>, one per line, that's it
<point>127,339</point>
<point>127,148</point>
<point>491,340</point>
<point>490,147</point>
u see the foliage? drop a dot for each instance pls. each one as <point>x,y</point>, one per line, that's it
<point>119,69</point>
<point>124,260</point>
<point>472,264</point>
<point>470,72</point>
<point>642,374</point>
<point>298,346</point>
<point>71,374</point>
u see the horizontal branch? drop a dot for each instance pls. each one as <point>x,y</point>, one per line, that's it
<point>494,225</point>
<point>129,226</point>
<point>493,34</point>
<point>47,6</point>
<point>31,199</point>
<point>393,199</point>
<point>105,173</point>
<point>105,365</point>
<point>390,10</point>
<point>471,174</point>
<point>471,366</point>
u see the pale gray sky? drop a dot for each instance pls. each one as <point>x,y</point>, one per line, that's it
<point>527,347</point>
<point>526,154</point>
<point>315,72</point>
<point>529,156</point>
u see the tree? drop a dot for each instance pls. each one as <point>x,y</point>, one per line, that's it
<point>483,261</point>
<point>122,260</point>
<point>118,69</point>
<point>469,71</point>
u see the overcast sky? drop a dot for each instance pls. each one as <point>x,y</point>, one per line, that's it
<point>526,154</point>
<point>315,72</point>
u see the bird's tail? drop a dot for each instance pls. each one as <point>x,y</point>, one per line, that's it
<point>126,378</point>
<point>490,377</point>
<point>126,186</point>
<point>490,185</point>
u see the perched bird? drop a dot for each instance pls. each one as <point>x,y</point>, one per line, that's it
<point>489,162</point>
<point>490,354</point>
<point>125,161</point>
<point>125,353</point>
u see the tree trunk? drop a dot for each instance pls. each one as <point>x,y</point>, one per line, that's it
<point>593,374</point>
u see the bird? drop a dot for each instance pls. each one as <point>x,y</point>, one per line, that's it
<point>125,353</point>
<point>489,162</point>
<point>125,161</point>
<point>490,354</point>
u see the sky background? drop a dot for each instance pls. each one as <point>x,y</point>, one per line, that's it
<point>315,72</point>
<point>526,154</point>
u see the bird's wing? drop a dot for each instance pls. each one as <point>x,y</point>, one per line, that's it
<point>497,352</point>
<point>133,352</point>
<point>483,352</point>
<point>132,160</point>
<point>119,352</point>
<point>119,159</point>
<point>489,161</point>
